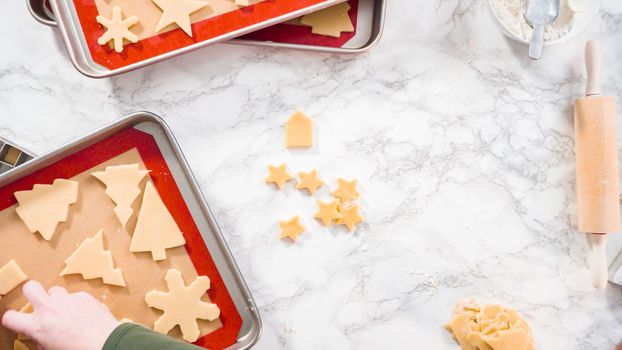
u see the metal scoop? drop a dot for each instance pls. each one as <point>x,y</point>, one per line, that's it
<point>539,13</point>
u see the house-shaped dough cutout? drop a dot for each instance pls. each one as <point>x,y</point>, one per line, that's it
<point>11,276</point>
<point>299,131</point>
<point>156,229</point>
<point>45,206</point>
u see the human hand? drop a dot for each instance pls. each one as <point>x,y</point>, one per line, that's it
<point>62,321</point>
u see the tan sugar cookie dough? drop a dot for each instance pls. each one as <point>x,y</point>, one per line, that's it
<point>117,29</point>
<point>491,327</point>
<point>11,276</point>
<point>291,229</point>
<point>122,186</point>
<point>178,12</point>
<point>26,309</point>
<point>242,2</point>
<point>43,207</point>
<point>91,261</point>
<point>350,216</point>
<point>278,175</point>
<point>328,212</point>
<point>299,131</point>
<point>156,229</point>
<point>182,305</point>
<point>346,190</point>
<point>331,21</point>
<point>309,181</point>
<point>18,345</point>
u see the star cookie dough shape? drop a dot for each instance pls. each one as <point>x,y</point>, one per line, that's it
<point>346,190</point>
<point>331,21</point>
<point>117,29</point>
<point>328,212</point>
<point>182,305</point>
<point>291,229</point>
<point>278,175</point>
<point>310,181</point>
<point>178,11</point>
<point>45,206</point>
<point>92,261</point>
<point>350,216</point>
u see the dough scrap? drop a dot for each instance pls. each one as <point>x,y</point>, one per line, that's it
<point>27,309</point>
<point>43,207</point>
<point>350,216</point>
<point>117,29</point>
<point>299,131</point>
<point>18,345</point>
<point>491,327</point>
<point>309,181</point>
<point>91,261</point>
<point>278,175</point>
<point>11,276</point>
<point>178,11</point>
<point>346,190</point>
<point>291,229</point>
<point>156,229</point>
<point>182,305</point>
<point>331,21</point>
<point>122,186</point>
<point>328,212</point>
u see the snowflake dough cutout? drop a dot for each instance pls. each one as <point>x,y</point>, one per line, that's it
<point>178,12</point>
<point>45,206</point>
<point>182,305</point>
<point>309,181</point>
<point>331,21</point>
<point>122,187</point>
<point>92,261</point>
<point>117,29</point>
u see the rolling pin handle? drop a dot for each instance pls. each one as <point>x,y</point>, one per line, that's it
<point>599,260</point>
<point>593,58</point>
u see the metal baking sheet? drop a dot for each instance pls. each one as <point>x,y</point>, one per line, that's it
<point>200,212</point>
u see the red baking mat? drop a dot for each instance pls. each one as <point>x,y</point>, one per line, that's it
<point>147,147</point>
<point>301,35</point>
<point>177,39</point>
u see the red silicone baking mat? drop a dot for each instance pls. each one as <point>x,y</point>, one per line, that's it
<point>302,35</point>
<point>176,39</point>
<point>114,146</point>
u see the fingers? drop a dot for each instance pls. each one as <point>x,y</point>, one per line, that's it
<point>18,322</point>
<point>36,295</point>
<point>57,291</point>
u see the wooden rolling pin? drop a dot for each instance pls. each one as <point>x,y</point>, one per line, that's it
<point>596,149</point>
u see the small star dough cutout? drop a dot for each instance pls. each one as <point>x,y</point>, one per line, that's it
<point>117,29</point>
<point>182,305</point>
<point>346,190</point>
<point>178,11</point>
<point>331,21</point>
<point>291,229</point>
<point>91,261</point>
<point>328,212</point>
<point>45,206</point>
<point>11,276</point>
<point>349,216</point>
<point>299,131</point>
<point>278,175</point>
<point>310,181</point>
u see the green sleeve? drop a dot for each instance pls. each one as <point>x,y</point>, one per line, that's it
<point>130,336</point>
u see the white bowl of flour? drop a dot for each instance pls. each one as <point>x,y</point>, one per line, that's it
<point>574,17</point>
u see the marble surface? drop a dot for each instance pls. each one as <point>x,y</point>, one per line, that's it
<point>462,146</point>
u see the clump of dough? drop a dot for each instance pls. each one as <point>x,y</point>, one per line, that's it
<point>491,327</point>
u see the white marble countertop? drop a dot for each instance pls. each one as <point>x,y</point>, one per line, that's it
<point>463,148</point>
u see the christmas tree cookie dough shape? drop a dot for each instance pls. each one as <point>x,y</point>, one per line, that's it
<point>278,175</point>
<point>178,11</point>
<point>122,186</point>
<point>331,21</point>
<point>91,261</point>
<point>11,276</point>
<point>182,305</point>
<point>156,229</point>
<point>117,29</point>
<point>309,181</point>
<point>43,207</point>
<point>299,131</point>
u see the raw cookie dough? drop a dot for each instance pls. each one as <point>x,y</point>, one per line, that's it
<point>91,261</point>
<point>299,131</point>
<point>122,186</point>
<point>291,229</point>
<point>328,212</point>
<point>182,305</point>
<point>117,29</point>
<point>349,216</point>
<point>346,190</point>
<point>11,276</point>
<point>331,21</point>
<point>278,175</point>
<point>27,309</point>
<point>491,327</point>
<point>156,229</point>
<point>43,207</point>
<point>178,11</point>
<point>18,345</point>
<point>310,181</point>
